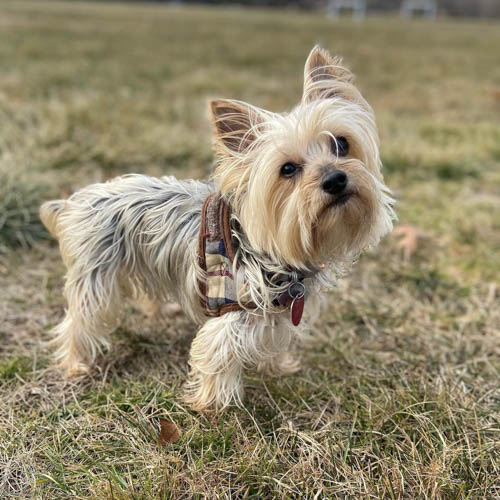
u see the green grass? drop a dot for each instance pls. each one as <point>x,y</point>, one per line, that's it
<point>399,392</point>
<point>20,198</point>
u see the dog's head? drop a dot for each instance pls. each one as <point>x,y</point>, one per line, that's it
<point>306,185</point>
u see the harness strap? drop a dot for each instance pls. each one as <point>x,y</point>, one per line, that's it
<point>216,256</point>
<point>216,253</point>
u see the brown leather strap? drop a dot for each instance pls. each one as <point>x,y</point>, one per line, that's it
<point>215,226</point>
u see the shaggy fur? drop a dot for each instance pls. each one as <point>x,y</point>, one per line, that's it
<point>137,236</point>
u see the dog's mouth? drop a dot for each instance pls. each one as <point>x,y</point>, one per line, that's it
<point>337,202</point>
<point>341,199</point>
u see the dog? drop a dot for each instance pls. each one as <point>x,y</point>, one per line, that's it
<point>294,199</point>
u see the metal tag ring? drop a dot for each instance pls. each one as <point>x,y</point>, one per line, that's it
<point>294,294</point>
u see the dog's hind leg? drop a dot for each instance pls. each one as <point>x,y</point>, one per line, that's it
<point>93,312</point>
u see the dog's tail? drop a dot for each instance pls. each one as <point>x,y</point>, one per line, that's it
<point>49,214</point>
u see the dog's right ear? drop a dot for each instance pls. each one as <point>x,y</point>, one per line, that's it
<point>236,125</point>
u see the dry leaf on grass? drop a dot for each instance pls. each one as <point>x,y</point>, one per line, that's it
<point>495,94</point>
<point>408,241</point>
<point>169,433</point>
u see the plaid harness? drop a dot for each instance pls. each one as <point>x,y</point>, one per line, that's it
<point>216,255</point>
<point>218,293</point>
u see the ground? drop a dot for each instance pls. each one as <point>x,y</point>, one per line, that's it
<point>399,394</point>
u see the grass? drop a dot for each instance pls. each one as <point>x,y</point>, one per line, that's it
<point>19,199</point>
<point>399,392</point>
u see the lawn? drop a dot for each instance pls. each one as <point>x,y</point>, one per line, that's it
<point>399,392</point>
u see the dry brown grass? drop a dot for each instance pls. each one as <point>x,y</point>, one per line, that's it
<point>399,395</point>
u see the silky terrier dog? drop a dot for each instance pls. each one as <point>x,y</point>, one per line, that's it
<point>294,199</point>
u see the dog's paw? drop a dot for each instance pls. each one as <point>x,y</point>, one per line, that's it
<point>282,364</point>
<point>198,394</point>
<point>149,307</point>
<point>78,370</point>
<point>74,368</point>
<point>203,392</point>
<point>172,309</point>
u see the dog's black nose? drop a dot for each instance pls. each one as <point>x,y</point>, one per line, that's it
<point>335,183</point>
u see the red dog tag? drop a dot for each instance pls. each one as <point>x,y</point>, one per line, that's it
<point>297,309</point>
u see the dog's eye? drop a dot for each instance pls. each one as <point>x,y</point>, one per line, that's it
<point>289,170</point>
<point>340,146</point>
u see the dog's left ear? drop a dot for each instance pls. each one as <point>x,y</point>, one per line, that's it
<point>236,125</point>
<point>325,77</point>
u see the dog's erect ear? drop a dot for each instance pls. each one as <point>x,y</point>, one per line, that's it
<point>236,124</point>
<point>325,77</point>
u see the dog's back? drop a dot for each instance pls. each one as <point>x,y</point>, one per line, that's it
<point>143,224</point>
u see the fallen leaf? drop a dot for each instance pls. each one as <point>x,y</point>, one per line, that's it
<point>495,93</point>
<point>169,433</point>
<point>408,239</point>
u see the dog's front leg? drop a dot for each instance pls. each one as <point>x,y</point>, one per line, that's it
<point>216,363</point>
<point>226,345</point>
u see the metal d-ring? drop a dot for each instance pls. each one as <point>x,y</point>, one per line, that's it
<point>296,289</point>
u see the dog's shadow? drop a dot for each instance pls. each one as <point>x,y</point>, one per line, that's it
<point>158,349</point>
<point>141,343</point>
